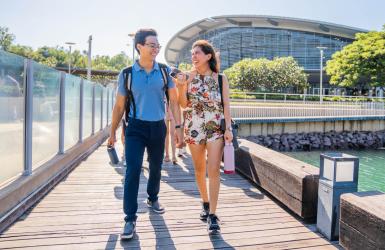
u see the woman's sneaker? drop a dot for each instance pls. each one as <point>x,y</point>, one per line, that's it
<point>213,224</point>
<point>205,211</point>
<point>182,152</point>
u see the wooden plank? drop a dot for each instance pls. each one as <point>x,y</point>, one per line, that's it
<point>85,212</point>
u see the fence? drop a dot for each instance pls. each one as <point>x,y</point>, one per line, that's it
<point>271,105</point>
<point>44,112</point>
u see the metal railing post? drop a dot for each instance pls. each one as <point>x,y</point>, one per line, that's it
<point>81,107</point>
<point>108,106</point>
<point>101,109</point>
<point>93,109</point>
<point>28,116</point>
<point>62,113</point>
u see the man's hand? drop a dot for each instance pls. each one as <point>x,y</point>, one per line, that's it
<point>111,140</point>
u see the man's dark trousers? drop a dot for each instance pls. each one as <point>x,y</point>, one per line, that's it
<point>138,136</point>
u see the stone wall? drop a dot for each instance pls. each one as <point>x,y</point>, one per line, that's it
<point>322,141</point>
<point>255,127</point>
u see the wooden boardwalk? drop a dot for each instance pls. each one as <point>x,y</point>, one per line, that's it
<point>85,212</point>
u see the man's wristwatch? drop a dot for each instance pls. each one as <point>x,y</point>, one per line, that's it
<point>178,126</point>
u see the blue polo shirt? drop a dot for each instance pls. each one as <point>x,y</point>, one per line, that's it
<point>147,89</point>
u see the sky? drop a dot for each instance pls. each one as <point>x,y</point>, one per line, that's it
<point>38,23</point>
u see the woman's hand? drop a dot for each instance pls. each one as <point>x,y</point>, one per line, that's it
<point>183,78</point>
<point>228,136</point>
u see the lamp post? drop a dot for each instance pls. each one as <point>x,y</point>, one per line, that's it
<point>321,50</point>
<point>128,59</point>
<point>132,35</point>
<point>69,63</point>
<point>89,58</point>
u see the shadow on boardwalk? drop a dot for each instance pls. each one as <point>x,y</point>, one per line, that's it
<point>84,211</point>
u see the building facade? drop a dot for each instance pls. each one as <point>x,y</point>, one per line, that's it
<point>239,37</point>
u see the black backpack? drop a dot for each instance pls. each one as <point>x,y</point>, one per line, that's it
<point>127,76</point>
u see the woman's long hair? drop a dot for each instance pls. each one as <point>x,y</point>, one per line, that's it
<point>207,48</point>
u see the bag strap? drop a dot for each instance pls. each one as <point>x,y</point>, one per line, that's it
<point>220,83</point>
<point>127,74</point>
<point>163,70</point>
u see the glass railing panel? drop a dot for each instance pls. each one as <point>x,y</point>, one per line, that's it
<point>87,108</point>
<point>72,110</point>
<point>45,123</point>
<point>11,115</point>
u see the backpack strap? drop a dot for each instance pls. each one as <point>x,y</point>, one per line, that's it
<point>163,70</point>
<point>127,75</point>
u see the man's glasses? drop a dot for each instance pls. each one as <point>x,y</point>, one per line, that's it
<point>153,45</point>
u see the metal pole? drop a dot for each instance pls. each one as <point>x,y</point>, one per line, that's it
<point>133,50</point>
<point>89,58</point>
<point>62,113</point>
<point>93,109</point>
<point>128,55</point>
<point>101,108</point>
<point>132,35</point>
<point>81,111</point>
<point>69,63</point>
<point>321,69</point>
<point>28,116</point>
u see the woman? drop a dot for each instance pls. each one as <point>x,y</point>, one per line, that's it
<point>170,124</point>
<point>201,97</point>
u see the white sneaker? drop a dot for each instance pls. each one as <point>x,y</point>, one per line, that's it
<point>182,152</point>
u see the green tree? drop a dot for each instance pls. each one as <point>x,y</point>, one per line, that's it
<point>59,57</point>
<point>6,38</point>
<point>267,75</point>
<point>360,63</point>
<point>20,50</point>
<point>185,66</point>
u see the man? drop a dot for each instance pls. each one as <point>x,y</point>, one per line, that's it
<point>145,126</point>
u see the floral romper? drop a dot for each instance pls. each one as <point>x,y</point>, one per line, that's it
<point>204,111</point>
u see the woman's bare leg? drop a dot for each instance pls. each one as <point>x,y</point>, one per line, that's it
<point>198,155</point>
<point>214,152</point>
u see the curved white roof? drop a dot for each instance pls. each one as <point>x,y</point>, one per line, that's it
<point>179,40</point>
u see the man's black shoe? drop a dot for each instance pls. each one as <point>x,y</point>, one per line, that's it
<point>156,206</point>
<point>128,230</point>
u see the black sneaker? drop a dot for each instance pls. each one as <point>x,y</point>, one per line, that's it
<point>156,207</point>
<point>213,224</point>
<point>205,211</point>
<point>128,230</point>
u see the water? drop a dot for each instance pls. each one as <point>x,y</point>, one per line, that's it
<point>371,174</point>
